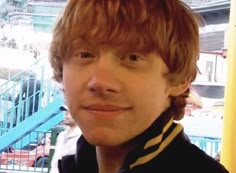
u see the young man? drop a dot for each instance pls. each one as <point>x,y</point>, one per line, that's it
<point>125,67</point>
<point>66,140</point>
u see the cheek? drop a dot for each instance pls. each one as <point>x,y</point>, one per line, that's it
<point>71,78</point>
<point>153,100</point>
<point>149,109</point>
<point>70,83</point>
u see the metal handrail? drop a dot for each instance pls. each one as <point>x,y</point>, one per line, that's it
<point>15,105</point>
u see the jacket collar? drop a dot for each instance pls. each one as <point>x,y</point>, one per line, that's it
<point>150,143</point>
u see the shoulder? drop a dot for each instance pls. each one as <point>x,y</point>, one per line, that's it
<point>193,157</point>
<point>62,134</point>
<point>182,156</point>
<point>74,132</point>
<point>61,137</point>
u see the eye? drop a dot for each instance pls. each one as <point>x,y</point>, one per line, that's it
<point>133,60</point>
<point>133,57</point>
<point>82,55</point>
<point>85,55</point>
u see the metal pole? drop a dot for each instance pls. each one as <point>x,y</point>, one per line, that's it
<point>228,153</point>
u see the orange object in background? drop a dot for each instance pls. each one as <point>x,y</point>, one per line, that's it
<point>37,157</point>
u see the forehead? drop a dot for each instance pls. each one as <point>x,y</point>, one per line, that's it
<point>128,46</point>
<point>142,33</point>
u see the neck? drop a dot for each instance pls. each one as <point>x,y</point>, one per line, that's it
<point>110,159</point>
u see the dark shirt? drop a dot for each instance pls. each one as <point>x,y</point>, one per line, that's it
<point>162,148</point>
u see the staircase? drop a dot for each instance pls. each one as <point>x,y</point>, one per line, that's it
<point>17,116</point>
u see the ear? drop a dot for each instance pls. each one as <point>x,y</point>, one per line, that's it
<point>180,88</point>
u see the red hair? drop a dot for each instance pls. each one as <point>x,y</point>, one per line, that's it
<point>168,28</point>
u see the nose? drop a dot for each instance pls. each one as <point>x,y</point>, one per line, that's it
<point>104,79</point>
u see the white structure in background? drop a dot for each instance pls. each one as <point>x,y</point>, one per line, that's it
<point>212,65</point>
<point>212,68</point>
<point>26,38</point>
<point>14,58</point>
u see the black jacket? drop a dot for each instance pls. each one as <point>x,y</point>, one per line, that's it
<point>163,149</point>
<point>29,88</point>
<point>29,94</point>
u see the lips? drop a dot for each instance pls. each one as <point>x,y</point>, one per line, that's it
<point>105,108</point>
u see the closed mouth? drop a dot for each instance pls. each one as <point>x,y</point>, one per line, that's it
<point>105,108</point>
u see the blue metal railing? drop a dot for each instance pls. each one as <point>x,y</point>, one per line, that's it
<point>211,146</point>
<point>43,120</point>
<point>23,102</point>
<point>31,158</point>
<point>20,98</point>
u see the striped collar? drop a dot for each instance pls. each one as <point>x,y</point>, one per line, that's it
<point>156,144</point>
<point>150,144</point>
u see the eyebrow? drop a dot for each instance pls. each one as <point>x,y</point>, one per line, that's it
<point>80,43</point>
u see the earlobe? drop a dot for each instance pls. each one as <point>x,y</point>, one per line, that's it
<point>180,88</point>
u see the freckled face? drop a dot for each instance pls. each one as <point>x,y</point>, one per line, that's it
<point>114,96</point>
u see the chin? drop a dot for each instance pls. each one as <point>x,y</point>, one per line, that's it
<point>103,140</point>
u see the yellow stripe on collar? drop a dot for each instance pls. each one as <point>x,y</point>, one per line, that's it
<point>164,143</point>
<point>158,138</point>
